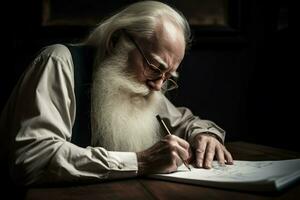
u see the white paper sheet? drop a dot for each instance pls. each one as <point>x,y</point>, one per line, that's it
<point>243,175</point>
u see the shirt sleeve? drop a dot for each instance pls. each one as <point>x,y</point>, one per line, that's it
<point>41,115</point>
<point>186,125</point>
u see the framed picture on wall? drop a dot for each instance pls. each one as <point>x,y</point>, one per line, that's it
<point>90,12</point>
<point>78,12</point>
<point>211,18</point>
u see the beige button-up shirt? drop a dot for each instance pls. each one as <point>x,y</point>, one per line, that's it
<point>37,122</point>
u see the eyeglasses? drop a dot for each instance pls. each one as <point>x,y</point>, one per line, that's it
<point>152,72</point>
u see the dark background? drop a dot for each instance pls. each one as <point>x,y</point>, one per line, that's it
<point>236,76</point>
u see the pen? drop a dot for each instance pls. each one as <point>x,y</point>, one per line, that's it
<point>162,123</point>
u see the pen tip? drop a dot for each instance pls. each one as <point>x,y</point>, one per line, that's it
<point>188,167</point>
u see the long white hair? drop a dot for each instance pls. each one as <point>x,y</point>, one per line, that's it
<point>139,19</point>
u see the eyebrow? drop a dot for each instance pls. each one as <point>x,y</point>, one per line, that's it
<point>160,61</point>
<point>174,74</point>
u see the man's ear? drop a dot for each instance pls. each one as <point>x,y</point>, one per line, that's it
<point>114,39</point>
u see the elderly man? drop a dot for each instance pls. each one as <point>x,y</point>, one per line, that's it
<point>134,58</point>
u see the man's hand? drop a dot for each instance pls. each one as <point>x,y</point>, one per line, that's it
<point>164,156</point>
<point>206,147</point>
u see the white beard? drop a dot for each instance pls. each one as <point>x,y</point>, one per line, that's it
<point>123,111</point>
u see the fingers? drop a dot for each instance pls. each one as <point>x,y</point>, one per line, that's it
<point>229,159</point>
<point>206,148</point>
<point>200,152</point>
<point>182,153</point>
<point>209,155</point>
<point>163,156</point>
<point>220,154</point>
<point>171,150</point>
<point>183,143</point>
<point>178,146</point>
<point>176,159</point>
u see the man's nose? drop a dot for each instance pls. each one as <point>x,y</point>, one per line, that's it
<point>156,84</point>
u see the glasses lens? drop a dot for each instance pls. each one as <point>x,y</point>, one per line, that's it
<point>151,72</point>
<point>169,85</point>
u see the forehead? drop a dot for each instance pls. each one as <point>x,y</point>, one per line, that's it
<point>167,45</point>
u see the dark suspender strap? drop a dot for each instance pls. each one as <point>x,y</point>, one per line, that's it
<point>83,58</point>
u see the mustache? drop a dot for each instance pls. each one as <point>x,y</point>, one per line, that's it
<point>116,75</point>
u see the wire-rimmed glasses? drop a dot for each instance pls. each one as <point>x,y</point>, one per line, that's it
<point>154,73</point>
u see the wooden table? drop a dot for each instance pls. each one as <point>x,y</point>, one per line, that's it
<point>156,189</point>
